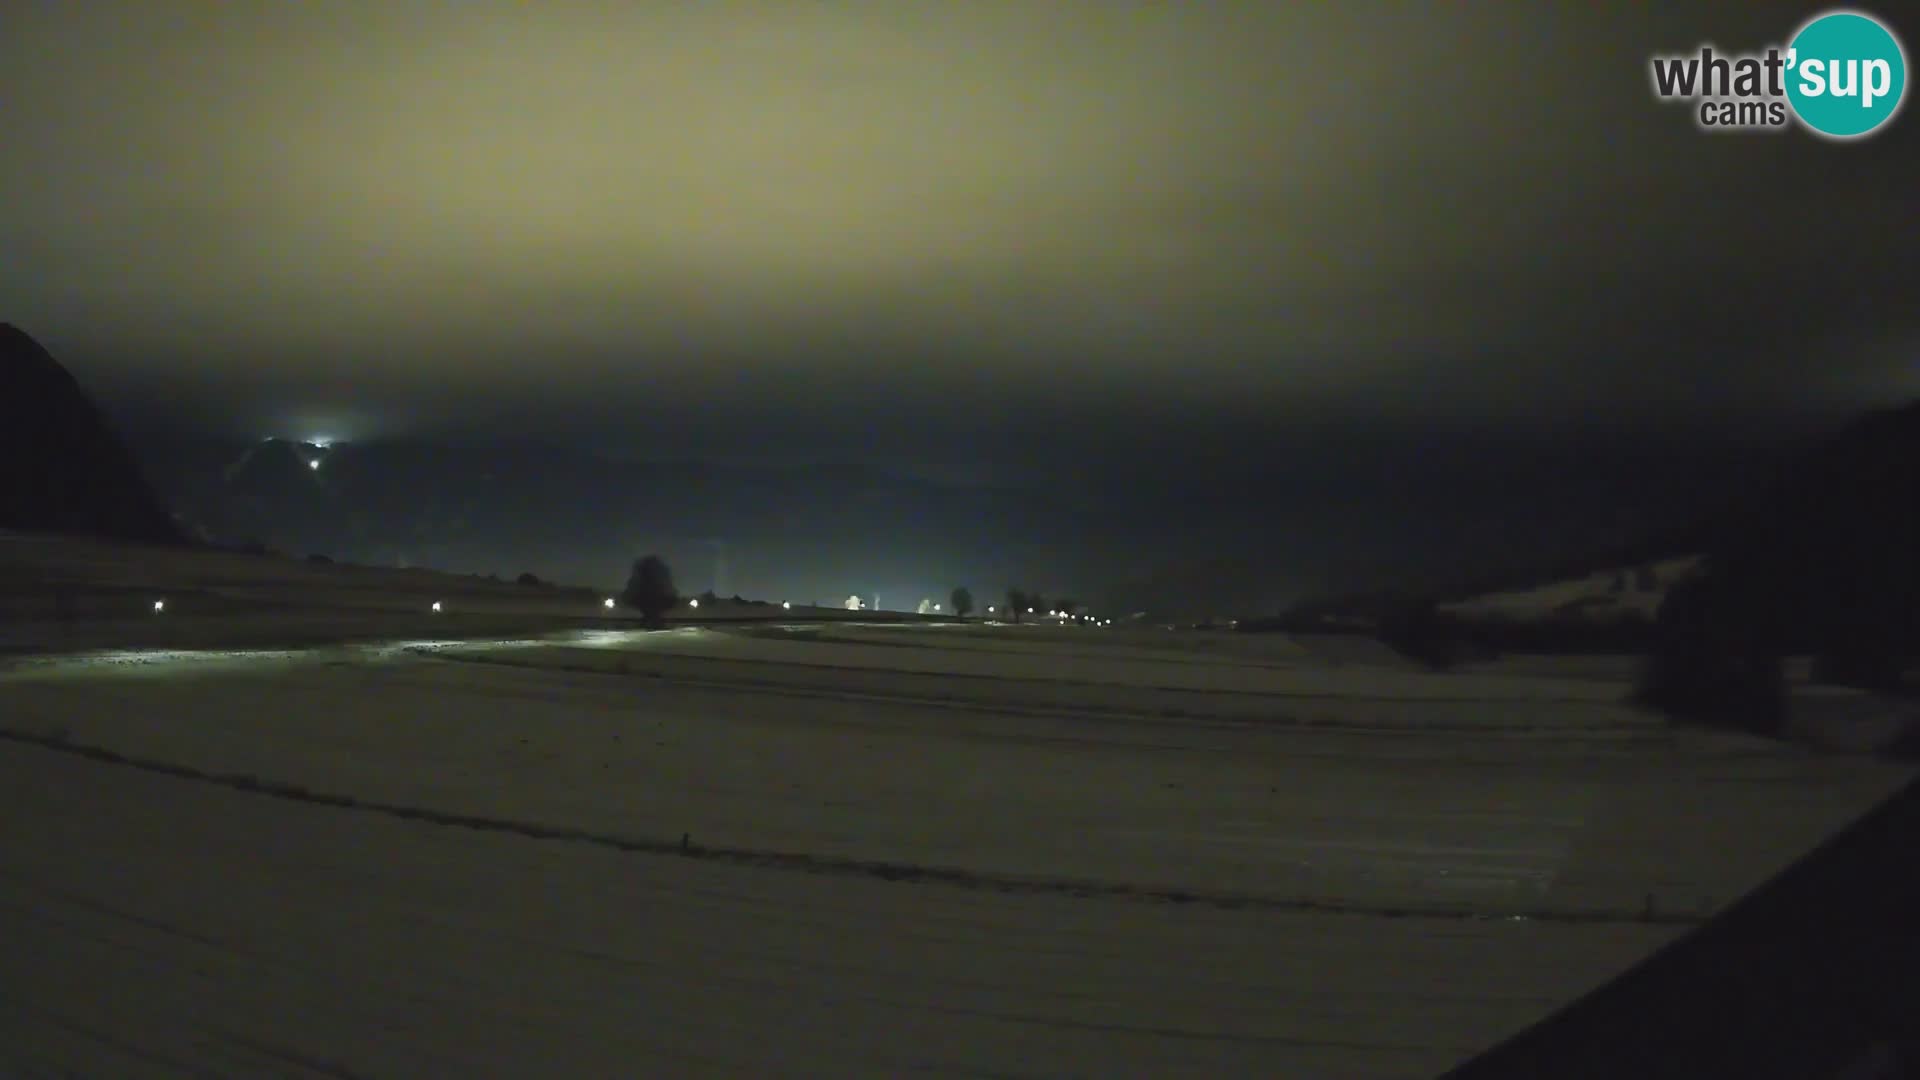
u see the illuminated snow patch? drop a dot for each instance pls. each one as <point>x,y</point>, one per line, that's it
<point>613,639</point>
<point>146,661</point>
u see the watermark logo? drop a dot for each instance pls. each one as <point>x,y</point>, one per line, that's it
<point>1842,75</point>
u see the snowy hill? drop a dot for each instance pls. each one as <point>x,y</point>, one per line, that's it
<point>1612,595</point>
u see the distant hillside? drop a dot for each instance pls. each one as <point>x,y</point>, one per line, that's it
<point>571,514</point>
<point>62,467</point>
<point>1828,537</point>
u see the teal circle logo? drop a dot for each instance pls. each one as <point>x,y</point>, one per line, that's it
<point>1846,74</point>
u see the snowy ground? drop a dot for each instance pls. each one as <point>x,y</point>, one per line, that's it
<point>847,850</point>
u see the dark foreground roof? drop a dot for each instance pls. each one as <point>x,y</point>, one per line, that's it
<point>1814,975</point>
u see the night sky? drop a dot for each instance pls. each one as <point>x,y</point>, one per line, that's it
<point>985,242</point>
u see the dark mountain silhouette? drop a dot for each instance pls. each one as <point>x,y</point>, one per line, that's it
<point>62,467</point>
<point>1816,551</point>
<point>1836,523</point>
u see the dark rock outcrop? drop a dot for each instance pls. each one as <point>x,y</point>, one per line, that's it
<point>62,467</point>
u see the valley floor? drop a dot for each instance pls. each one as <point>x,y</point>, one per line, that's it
<point>847,850</point>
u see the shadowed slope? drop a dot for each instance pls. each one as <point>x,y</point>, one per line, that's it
<point>62,468</point>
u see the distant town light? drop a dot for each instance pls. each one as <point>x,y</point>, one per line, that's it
<point>1029,611</point>
<point>989,609</point>
<point>314,464</point>
<point>436,605</point>
<point>694,602</point>
<point>786,605</point>
<point>159,606</point>
<point>936,607</point>
<point>608,603</point>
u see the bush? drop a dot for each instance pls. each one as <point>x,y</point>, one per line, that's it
<point>318,559</point>
<point>529,579</point>
<point>1420,633</point>
<point>650,590</point>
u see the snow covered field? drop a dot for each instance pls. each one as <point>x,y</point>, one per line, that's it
<point>847,850</point>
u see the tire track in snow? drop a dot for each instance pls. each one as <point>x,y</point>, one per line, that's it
<point>804,862</point>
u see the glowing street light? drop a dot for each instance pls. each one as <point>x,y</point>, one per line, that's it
<point>607,603</point>
<point>314,464</point>
<point>436,605</point>
<point>694,603</point>
<point>786,605</point>
<point>936,607</point>
<point>159,606</point>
